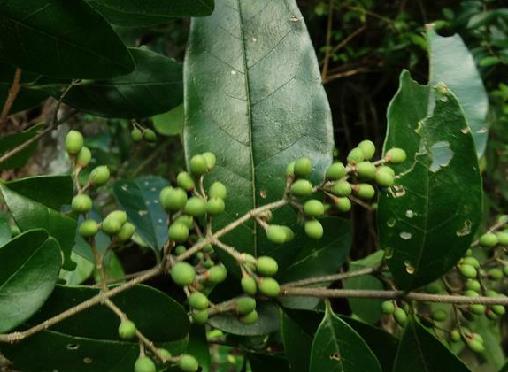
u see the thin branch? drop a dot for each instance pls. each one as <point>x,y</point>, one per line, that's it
<point>324,72</point>
<point>229,250</point>
<point>331,278</point>
<point>11,97</point>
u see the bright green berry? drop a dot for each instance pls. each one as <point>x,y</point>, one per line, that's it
<point>99,176</point>
<point>473,285</point>
<point>343,204</point>
<point>387,307</point>
<point>198,301</point>
<point>475,346</point>
<point>111,226</point>
<point>249,285</point>
<point>144,364</point>
<point>178,232</point>
<point>185,181</point>
<point>268,287</point>
<point>215,206</point>
<point>73,142</point>
<point>185,220</point>
<point>470,260</point>
<point>216,274</point>
<point>336,171</point>
<point>120,216</point>
<point>495,274</point>
<point>477,309</point>
<point>303,167</point>
<point>289,233</point>
<point>245,305</point>
<point>385,176</point>
<point>400,316</point>
<point>313,229</point>
<point>198,165</point>
<point>266,266</point>
<point>88,228</point>
<point>290,170</point>
<point>183,273</point>
<point>250,318</point>
<point>341,188</point>
<point>84,157</point>
<point>502,238</point>
<point>499,310</point>
<point>172,199</point>
<point>127,330</point>
<point>395,155</point>
<point>467,271</point>
<point>199,316</point>
<point>210,159</point>
<point>188,363</point>
<point>488,240</point>
<point>368,149</point>
<point>164,353</point>
<point>81,203</point>
<point>439,315</point>
<point>218,190</point>
<point>313,208</point>
<point>136,135</point>
<point>364,191</point>
<point>149,135</point>
<point>276,234</point>
<point>195,206</point>
<point>356,155</point>
<point>180,249</point>
<point>366,170</point>
<point>301,187</point>
<point>454,335</point>
<point>126,232</point>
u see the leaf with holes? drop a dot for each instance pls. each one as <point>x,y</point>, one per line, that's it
<point>253,96</point>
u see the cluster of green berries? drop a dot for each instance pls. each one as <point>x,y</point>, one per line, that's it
<point>493,239</point>
<point>139,133</point>
<point>473,341</point>
<point>399,314</point>
<point>114,224</point>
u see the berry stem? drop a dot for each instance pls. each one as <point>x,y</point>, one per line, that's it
<point>332,278</point>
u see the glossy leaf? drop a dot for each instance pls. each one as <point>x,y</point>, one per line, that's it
<point>28,274</point>
<point>337,347</point>
<point>9,142</point>
<point>60,39</point>
<point>463,79</point>
<point>428,218</point>
<point>140,199</point>
<point>253,96</point>
<point>419,350</point>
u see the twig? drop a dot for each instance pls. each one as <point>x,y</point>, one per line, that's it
<point>11,97</point>
<point>229,250</point>
<point>331,278</point>
<point>324,72</point>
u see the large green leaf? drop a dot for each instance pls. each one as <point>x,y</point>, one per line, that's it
<point>463,79</point>
<point>428,218</point>
<point>154,87</point>
<point>253,96</point>
<point>27,97</point>
<point>9,142</point>
<point>61,39</point>
<point>338,348</point>
<point>149,12</point>
<point>28,274</point>
<point>420,351</point>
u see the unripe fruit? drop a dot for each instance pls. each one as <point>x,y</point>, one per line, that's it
<point>164,353</point>
<point>276,234</point>
<point>268,287</point>
<point>343,204</point>
<point>99,176</point>
<point>195,206</point>
<point>172,199</point>
<point>218,190</point>
<point>245,305</point>
<point>183,273</point>
<point>144,364</point>
<point>336,171</point>
<point>210,159</point>
<point>356,155</point>
<point>488,240</point>
<point>387,307</point>
<point>185,181</point>
<point>208,263</point>
<point>499,310</point>
<point>188,363</point>
<point>301,187</point>
<point>198,165</point>
<point>81,203</point>
<point>180,250</point>
<point>185,220</point>
<point>455,335</point>
<point>199,316</point>
<point>384,176</point>
<point>477,309</point>
<point>467,271</point>
<point>400,316</point>
<point>439,315</point>
<point>290,170</point>
<point>341,188</point>
<point>198,301</point>
<point>313,208</point>
<point>473,285</point>
<point>178,232</point>
<point>471,261</point>
<point>120,216</point>
<point>126,232</point>
<point>250,318</point>
<point>266,266</point>
<point>313,229</point>
<point>216,274</point>
<point>366,169</point>
<point>368,149</point>
<point>364,191</point>
<point>127,330</point>
<point>149,135</point>
<point>395,155</point>
<point>136,135</point>
<point>495,274</point>
<point>303,167</point>
<point>502,238</point>
<point>73,142</point>
<point>249,285</point>
<point>88,228</point>
<point>111,226</point>
<point>215,206</point>
<point>289,233</point>
<point>476,345</point>
<point>84,157</point>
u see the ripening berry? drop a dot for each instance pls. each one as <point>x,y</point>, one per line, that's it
<point>199,316</point>
<point>488,240</point>
<point>210,159</point>
<point>303,167</point>
<point>198,165</point>
<point>276,234</point>
<point>84,157</point>
<point>313,208</point>
<point>290,170</point>
<point>185,220</point>
<point>454,335</point>
<point>364,191</point>
<point>99,176</point>
<point>336,171</point>
<point>198,301</point>
<point>301,187</point>
<point>218,190</point>
<point>268,287</point>
<point>185,181</point>
<point>341,188</point>
<point>400,316</point>
<point>387,307</point>
<point>313,229</point>
<point>266,266</point>
<point>195,206</point>
<point>120,216</point>
<point>366,170</point>
<point>249,285</point>
<point>127,330</point>
<point>172,199</point>
<point>495,274</point>
<point>178,232</point>
<point>126,232</point>
<point>250,318</point>
<point>144,364</point>
<point>368,149</point>
<point>136,135</point>
<point>356,155</point>
<point>502,238</point>
<point>188,363</point>
<point>88,228</point>
<point>395,155</point>
<point>73,142</point>
<point>215,206</point>
<point>245,305</point>
<point>385,176</point>
<point>439,315</point>
<point>473,285</point>
<point>81,203</point>
<point>216,274</point>
<point>467,271</point>
<point>183,273</point>
<point>343,204</point>
<point>149,135</point>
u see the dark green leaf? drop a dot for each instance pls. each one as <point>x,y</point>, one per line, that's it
<point>170,123</point>
<point>52,191</point>
<point>140,199</point>
<point>420,351</point>
<point>268,362</point>
<point>5,229</point>
<point>198,346</point>
<point>254,98</point>
<point>7,143</point>
<point>28,274</point>
<point>26,98</point>
<point>62,39</point>
<point>337,347</point>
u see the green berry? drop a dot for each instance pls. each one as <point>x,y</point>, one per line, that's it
<point>476,346</point>
<point>289,233</point>
<point>395,155</point>
<point>149,135</point>
<point>387,307</point>
<point>111,226</point>
<point>499,310</point>
<point>173,199</point>
<point>188,363</point>
<point>210,159</point>
<point>454,335</point>
<point>250,318</point>
<point>126,231</point>
<point>245,305</point>
<point>384,176</point>
<point>73,142</point>
<point>439,315</point>
<point>477,309</point>
<point>127,330</point>
<point>164,353</point>
<point>268,287</point>
<point>368,149</point>
<point>136,135</point>
<point>120,216</point>
<point>183,273</point>
<point>99,176</point>
<point>364,191</point>
<point>341,188</point>
<point>216,274</point>
<point>336,171</point>
<point>266,266</point>
<point>81,203</point>
<point>249,285</point>
<point>473,285</point>
<point>290,170</point>
<point>195,206</point>
<point>198,301</point>
<point>198,165</point>
<point>178,232</point>
<point>495,274</point>
<point>180,249</point>
<point>470,260</point>
<point>502,238</point>
<point>356,155</point>
<point>343,204</point>
<point>313,208</point>
<point>400,316</point>
<point>144,364</point>
<point>488,240</point>
<point>313,229</point>
<point>185,181</point>
<point>88,228</point>
<point>84,157</point>
<point>215,206</point>
<point>276,234</point>
<point>303,167</point>
<point>301,187</point>
<point>467,271</point>
<point>366,170</point>
<point>199,316</point>
<point>185,220</point>
<point>218,190</point>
